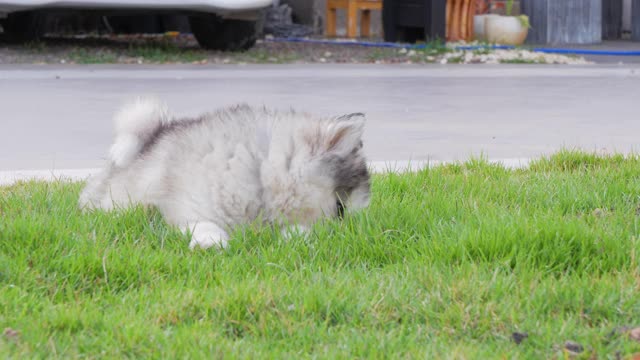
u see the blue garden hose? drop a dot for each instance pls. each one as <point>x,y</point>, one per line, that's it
<point>465,47</point>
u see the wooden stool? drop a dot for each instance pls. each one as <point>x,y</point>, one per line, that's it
<point>352,7</point>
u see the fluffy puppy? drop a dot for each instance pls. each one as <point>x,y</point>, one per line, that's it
<point>230,167</point>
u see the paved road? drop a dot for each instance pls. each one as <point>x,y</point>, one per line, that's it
<point>59,117</point>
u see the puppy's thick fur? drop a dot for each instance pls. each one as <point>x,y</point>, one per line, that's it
<point>231,167</point>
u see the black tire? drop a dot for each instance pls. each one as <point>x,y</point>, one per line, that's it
<point>215,33</point>
<point>24,26</point>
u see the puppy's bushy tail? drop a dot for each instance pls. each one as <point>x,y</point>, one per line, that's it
<point>136,123</point>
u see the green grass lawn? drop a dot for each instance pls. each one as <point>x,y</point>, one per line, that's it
<point>446,263</point>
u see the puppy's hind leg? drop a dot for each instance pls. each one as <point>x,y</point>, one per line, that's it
<point>92,196</point>
<point>205,234</point>
<point>113,189</point>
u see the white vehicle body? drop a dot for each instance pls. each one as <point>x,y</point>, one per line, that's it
<point>227,25</point>
<point>221,7</point>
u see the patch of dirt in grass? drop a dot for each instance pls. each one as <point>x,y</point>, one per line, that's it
<point>11,334</point>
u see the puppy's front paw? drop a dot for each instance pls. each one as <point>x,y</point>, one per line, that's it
<point>295,230</point>
<point>206,242</point>
<point>206,235</point>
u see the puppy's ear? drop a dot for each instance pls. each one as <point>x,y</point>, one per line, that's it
<point>344,133</point>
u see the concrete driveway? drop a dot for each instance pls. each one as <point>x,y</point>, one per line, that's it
<point>60,117</point>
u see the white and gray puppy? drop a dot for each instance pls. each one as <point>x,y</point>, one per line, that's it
<point>212,173</point>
